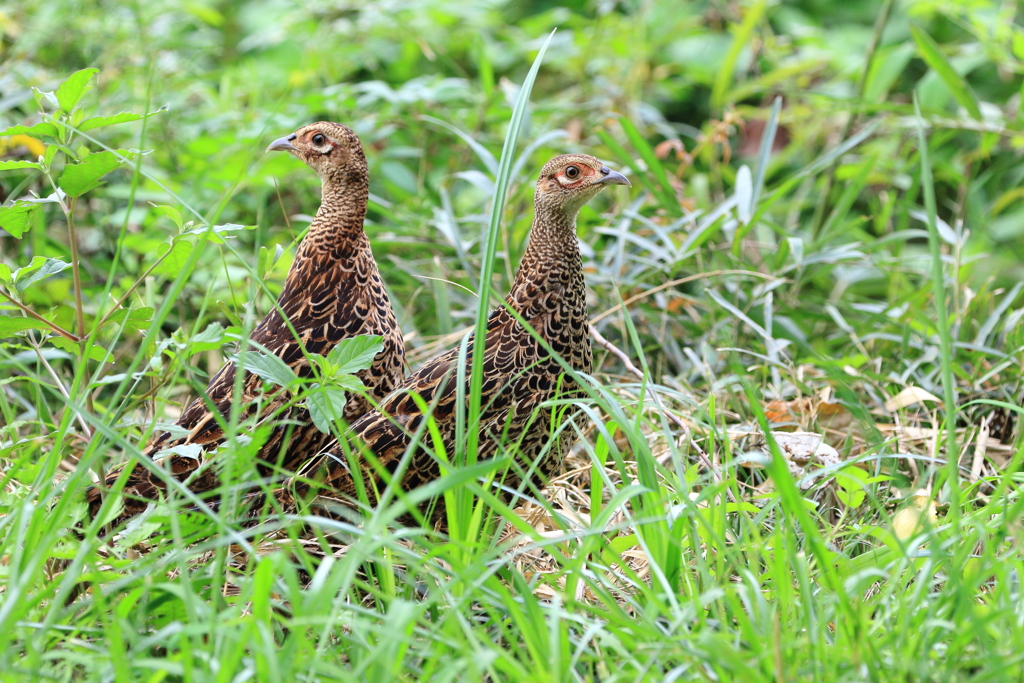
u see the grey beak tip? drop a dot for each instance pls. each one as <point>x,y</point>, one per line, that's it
<point>613,178</point>
<point>281,145</point>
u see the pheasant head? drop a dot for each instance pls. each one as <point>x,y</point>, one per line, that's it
<point>569,181</point>
<point>330,149</point>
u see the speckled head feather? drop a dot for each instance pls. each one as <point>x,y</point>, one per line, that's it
<point>569,181</point>
<point>330,149</point>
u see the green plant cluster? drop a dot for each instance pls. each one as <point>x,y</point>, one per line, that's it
<point>824,235</point>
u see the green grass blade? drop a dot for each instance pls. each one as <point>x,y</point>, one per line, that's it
<point>505,163</point>
<point>942,320</point>
<point>931,53</point>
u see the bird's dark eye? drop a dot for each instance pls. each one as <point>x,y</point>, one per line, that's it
<point>319,139</point>
<point>572,172</point>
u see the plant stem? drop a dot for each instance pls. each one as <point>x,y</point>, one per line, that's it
<point>49,323</point>
<point>60,386</point>
<point>952,474</point>
<point>69,214</point>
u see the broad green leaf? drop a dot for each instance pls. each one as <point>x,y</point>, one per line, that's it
<point>12,165</point>
<point>39,130</point>
<point>17,219</point>
<point>931,53</point>
<point>70,91</point>
<point>355,354</point>
<point>39,269</point>
<point>79,178</point>
<point>9,325</point>
<point>5,273</point>
<point>268,367</point>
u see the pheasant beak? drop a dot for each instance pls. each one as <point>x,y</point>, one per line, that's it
<point>612,178</point>
<point>283,144</point>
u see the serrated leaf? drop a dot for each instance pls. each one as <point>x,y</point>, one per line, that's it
<point>209,339</point>
<point>122,117</point>
<point>931,53</point>
<point>70,91</point>
<point>79,178</point>
<point>355,354</point>
<point>325,405</point>
<point>52,198</point>
<point>267,367</point>
<point>17,219</point>
<point>851,481</point>
<point>39,269</point>
<point>9,325</point>
<point>267,260</point>
<point>169,212</point>
<point>42,129</point>
<point>133,319</point>
<point>103,121</point>
<point>12,165</point>
<point>93,351</point>
<point>220,233</point>
<point>171,265</point>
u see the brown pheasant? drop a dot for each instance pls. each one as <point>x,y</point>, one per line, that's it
<point>333,292</point>
<point>519,375</point>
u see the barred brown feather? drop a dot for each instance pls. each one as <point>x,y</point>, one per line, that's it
<point>333,291</point>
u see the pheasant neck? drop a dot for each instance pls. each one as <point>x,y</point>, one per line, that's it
<point>552,253</point>
<point>337,229</point>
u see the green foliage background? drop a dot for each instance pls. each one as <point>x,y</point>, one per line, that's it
<point>811,264</point>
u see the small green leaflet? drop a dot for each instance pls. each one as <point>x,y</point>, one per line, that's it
<point>12,165</point>
<point>170,212</point>
<point>93,351</point>
<point>133,320</point>
<point>213,337</point>
<point>326,404</point>
<point>268,367</point>
<point>17,219</point>
<point>174,261</point>
<point>122,117</point>
<point>219,233</point>
<point>70,91</point>
<point>39,269</point>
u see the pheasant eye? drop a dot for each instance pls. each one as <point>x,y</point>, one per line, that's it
<point>319,139</point>
<point>572,172</point>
